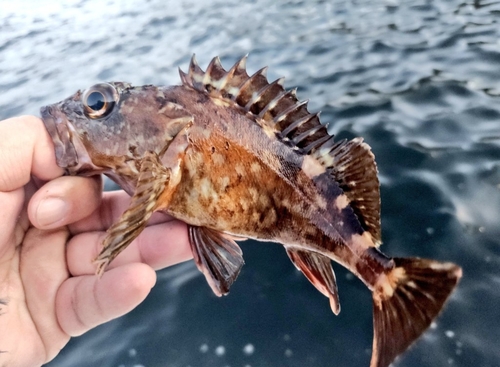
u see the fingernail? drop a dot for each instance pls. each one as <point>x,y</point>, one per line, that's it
<point>50,211</point>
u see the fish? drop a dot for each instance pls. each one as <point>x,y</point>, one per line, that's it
<point>235,156</point>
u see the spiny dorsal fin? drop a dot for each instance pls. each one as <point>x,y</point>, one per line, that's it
<point>351,163</point>
<point>269,102</point>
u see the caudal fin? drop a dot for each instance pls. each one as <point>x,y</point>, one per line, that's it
<point>411,296</point>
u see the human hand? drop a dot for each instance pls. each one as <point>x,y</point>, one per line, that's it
<point>51,227</point>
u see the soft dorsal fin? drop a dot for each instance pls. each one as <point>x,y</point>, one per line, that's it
<point>353,166</point>
<point>351,162</point>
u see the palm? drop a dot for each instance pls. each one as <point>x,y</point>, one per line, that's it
<point>28,290</point>
<point>48,290</point>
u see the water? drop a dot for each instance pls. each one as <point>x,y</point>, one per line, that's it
<point>419,80</point>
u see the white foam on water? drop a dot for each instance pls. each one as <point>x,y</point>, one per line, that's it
<point>203,348</point>
<point>220,351</point>
<point>249,349</point>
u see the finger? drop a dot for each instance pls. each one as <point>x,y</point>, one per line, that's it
<point>26,149</point>
<point>9,218</point>
<point>64,200</point>
<point>43,270</point>
<point>112,206</point>
<point>84,302</point>
<point>158,246</point>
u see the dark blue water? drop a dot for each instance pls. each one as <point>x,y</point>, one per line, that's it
<point>419,80</point>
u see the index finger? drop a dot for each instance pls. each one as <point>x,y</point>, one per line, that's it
<point>112,206</point>
<point>26,149</point>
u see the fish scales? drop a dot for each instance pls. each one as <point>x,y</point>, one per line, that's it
<point>286,207</point>
<point>236,157</point>
<point>247,151</point>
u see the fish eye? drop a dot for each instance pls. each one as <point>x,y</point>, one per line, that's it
<point>99,100</point>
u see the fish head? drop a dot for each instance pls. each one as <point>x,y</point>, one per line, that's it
<point>109,125</point>
<point>81,127</point>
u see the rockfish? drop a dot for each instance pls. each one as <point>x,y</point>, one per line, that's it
<point>235,156</point>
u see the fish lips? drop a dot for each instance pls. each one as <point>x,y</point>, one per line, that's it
<point>71,153</point>
<point>58,127</point>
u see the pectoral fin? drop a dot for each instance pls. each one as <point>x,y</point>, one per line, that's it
<point>318,269</point>
<point>153,178</point>
<point>217,256</point>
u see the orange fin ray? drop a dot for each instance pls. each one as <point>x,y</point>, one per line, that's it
<point>217,256</point>
<point>318,270</point>
<point>403,310</point>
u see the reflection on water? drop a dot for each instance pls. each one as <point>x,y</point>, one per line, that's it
<point>417,79</point>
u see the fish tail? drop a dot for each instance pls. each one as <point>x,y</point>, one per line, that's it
<point>405,301</point>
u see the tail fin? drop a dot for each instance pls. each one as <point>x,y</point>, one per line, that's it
<point>412,295</point>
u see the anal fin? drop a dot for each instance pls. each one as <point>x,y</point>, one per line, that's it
<point>217,256</point>
<point>318,269</point>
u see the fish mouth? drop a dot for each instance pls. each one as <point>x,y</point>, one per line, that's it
<point>71,154</point>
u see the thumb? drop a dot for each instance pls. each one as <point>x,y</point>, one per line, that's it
<point>26,149</point>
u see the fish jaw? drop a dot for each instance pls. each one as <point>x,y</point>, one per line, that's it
<point>71,154</point>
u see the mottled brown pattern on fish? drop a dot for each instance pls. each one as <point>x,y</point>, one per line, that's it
<point>263,195</point>
<point>236,156</point>
<point>247,199</point>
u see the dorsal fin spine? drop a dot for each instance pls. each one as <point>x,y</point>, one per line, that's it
<point>222,83</point>
<point>214,66</point>
<point>274,101</point>
<point>250,80</point>
<point>194,68</point>
<point>328,146</point>
<point>195,73</point>
<point>296,140</point>
<point>184,78</point>
<point>298,123</point>
<point>316,144</point>
<point>236,68</point>
<point>256,95</point>
<point>240,66</point>
<point>283,115</point>
<point>242,63</point>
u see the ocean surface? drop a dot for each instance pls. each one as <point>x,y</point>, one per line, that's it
<point>418,80</point>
